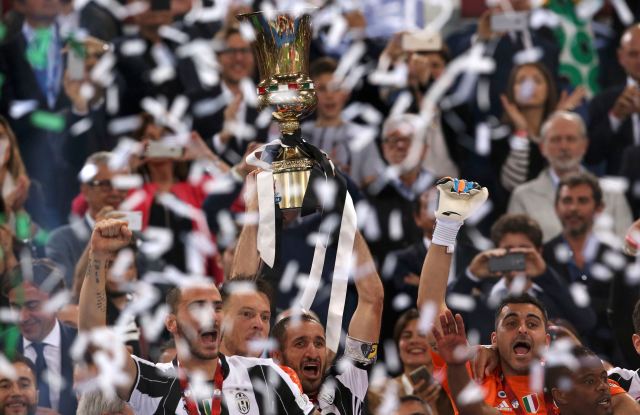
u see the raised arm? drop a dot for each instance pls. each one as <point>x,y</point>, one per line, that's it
<point>108,237</point>
<point>246,260</point>
<point>453,347</point>
<point>457,200</point>
<point>366,320</point>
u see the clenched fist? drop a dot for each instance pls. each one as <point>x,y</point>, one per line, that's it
<point>108,237</point>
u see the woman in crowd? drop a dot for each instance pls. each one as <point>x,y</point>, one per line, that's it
<point>417,368</point>
<point>173,200</point>
<point>531,96</point>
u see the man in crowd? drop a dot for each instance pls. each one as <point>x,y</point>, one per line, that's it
<point>516,235</point>
<point>614,121</point>
<point>579,385</point>
<point>32,66</point>
<point>582,259</point>
<point>228,128</point>
<point>627,378</point>
<point>563,144</point>
<point>520,323</point>
<point>18,390</point>
<point>44,340</point>
<point>302,345</point>
<point>67,243</point>
<point>338,138</point>
<point>391,196</point>
<point>196,312</point>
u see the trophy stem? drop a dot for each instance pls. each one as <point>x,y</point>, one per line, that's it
<point>289,127</point>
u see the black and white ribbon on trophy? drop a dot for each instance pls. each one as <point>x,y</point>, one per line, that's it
<point>340,211</point>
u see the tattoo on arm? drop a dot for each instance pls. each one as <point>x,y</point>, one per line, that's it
<point>95,268</point>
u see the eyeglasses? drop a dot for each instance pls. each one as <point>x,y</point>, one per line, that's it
<point>104,185</point>
<point>233,51</point>
<point>395,141</point>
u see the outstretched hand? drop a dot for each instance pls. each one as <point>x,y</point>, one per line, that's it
<point>452,343</point>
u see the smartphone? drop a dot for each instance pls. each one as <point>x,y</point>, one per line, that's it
<point>421,42</point>
<point>509,22</point>
<point>75,66</point>
<point>509,262</point>
<point>421,373</point>
<point>133,219</point>
<point>160,4</point>
<point>161,150</point>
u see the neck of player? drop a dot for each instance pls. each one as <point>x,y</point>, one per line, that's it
<point>193,364</point>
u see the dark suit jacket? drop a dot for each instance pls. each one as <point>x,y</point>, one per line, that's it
<point>42,149</point>
<point>209,125</point>
<point>630,170</point>
<point>605,145</point>
<point>68,402</point>
<point>65,247</point>
<point>611,336</point>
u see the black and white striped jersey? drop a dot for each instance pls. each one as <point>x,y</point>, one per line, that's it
<point>251,386</point>
<point>628,380</point>
<point>343,392</point>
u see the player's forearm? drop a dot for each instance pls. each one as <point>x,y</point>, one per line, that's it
<point>434,277</point>
<point>93,296</point>
<point>80,272</point>
<point>366,320</point>
<point>246,259</point>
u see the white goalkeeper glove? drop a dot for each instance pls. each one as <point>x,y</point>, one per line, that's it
<point>457,200</point>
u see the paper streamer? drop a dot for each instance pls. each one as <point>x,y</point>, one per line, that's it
<point>341,274</point>
<point>267,219</point>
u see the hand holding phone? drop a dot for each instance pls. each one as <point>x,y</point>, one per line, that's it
<point>421,373</point>
<point>514,261</point>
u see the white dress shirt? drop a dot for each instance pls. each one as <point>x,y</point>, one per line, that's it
<point>53,357</point>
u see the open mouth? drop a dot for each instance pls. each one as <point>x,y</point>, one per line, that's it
<point>16,405</point>
<point>605,401</point>
<point>521,348</point>
<point>209,337</point>
<point>311,369</point>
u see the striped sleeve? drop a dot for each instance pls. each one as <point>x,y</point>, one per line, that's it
<point>627,379</point>
<point>268,380</point>
<point>516,167</point>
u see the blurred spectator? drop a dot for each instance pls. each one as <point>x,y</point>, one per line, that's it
<point>488,285</point>
<point>391,196</point>
<point>68,243</point>
<point>173,202</point>
<point>19,393</point>
<point>43,339</point>
<point>563,144</point>
<point>413,405</point>
<point>226,116</point>
<point>580,257</point>
<point>31,62</point>
<point>361,161</point>
<point>630,170</point>
<point>504,48</point>
<point>613,114</point>
<point>415,353</point>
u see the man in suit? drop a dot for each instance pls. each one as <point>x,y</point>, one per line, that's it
<point>564,144</point>
<point>31,62</point>
<point>515,234</point>
<point>225,116</point>
<point>67,243</point>
<point>591,265</point>
<point>614,113</point>
<point>44,340</point>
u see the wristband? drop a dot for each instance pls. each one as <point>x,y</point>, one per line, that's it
<point>359,351</point>
<point>521,133</point>
<point>445,233</point>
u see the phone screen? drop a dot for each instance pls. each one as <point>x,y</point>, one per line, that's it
<point>507,263</point>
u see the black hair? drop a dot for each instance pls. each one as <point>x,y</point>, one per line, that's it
<point>259,284</point>
<point>554,374</point>
<point>523,298</point>
<point>516,223</point>
<point>578,179</point>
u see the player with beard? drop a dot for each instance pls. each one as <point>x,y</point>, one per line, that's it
<point>579,384</point>
<point>18,394</point>
<point>302,345</point>
<point>520,335</point>
<point>200,379</point>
